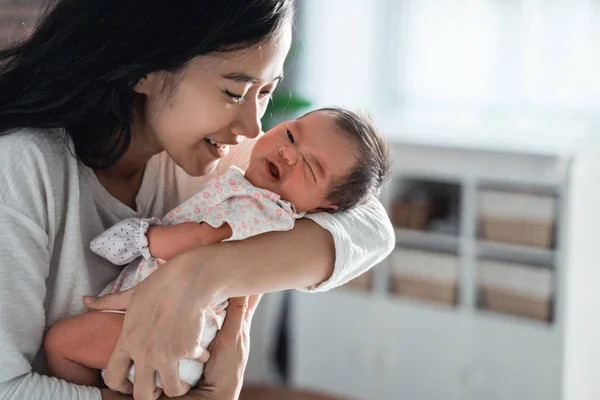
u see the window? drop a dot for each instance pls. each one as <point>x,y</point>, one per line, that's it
<point>475,59</point>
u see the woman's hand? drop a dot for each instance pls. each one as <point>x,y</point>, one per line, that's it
<point>165,312</point>
<point>164,321</point>
<point>224,373</point>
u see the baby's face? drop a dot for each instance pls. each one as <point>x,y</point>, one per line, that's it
<point>302,159</point>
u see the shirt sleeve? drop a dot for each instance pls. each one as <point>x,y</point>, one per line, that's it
<point>363,237</point>
<point>35,386</point>
<point>124,241</point>
<point>25,193</point>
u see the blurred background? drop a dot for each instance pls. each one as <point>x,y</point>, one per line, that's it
<point>492,108</point>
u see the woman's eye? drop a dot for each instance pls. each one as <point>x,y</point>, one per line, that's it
<point>235,97</point>
<point>290,136</point>
<point>265,93</point>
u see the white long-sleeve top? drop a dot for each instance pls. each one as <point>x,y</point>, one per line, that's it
<point>51,206</point>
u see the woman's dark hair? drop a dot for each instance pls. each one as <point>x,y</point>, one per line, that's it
<point>78,68</point>
<point>373,162</point>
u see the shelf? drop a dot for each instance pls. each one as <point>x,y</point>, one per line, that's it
<point>422,304</point>
<point>514,320</point>
<point>427,240</point>
<point>516,253</point>
<point>551,189</point>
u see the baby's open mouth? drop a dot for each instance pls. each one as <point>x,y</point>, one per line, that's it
<point>273,170</point>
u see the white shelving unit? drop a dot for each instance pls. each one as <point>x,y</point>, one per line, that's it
<point>376,345</point>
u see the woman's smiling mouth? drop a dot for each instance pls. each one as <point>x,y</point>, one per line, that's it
<point>219,150</point>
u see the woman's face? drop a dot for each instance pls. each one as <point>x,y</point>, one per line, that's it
<point>217,101</point>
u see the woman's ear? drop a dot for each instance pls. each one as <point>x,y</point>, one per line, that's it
<point>139,86</point>
<point>144,85</point>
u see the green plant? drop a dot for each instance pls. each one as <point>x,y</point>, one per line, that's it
<point>283,105</point>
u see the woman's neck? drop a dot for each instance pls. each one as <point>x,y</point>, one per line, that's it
<point>124,178</point>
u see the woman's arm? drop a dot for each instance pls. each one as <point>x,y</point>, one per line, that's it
<point>299,258</point>
<point>316,255</point>
<point>24,269</point>
<point>27,187</point>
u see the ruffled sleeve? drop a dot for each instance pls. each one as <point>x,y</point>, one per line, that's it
<point>124,241</point>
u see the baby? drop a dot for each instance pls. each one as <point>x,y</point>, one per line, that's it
<point>327,160</point>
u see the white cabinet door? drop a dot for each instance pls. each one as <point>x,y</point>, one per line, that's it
<point>332,342</point>
<point>423,355</point>
<point>514,360</point>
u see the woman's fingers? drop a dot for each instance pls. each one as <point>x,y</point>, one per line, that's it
<point>252,306</point>
<point>112,301</point>
<point>171,383</point>
<point>230,348</point>
<point>204,357</point>
<point>117,371</point>
<point>158,331</point>
<point>145,384</point>
<point>236,314</point>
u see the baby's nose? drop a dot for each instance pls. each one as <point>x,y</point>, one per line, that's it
<point>289,155</point>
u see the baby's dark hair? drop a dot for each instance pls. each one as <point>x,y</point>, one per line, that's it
<point>373,159</point>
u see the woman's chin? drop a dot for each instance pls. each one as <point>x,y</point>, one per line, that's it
<point>201,169</point>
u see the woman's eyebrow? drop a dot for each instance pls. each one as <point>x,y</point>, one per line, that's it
<point>245,78</point>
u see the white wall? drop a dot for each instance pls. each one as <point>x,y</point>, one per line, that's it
<point>338,52</point>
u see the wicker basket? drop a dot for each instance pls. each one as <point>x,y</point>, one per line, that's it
<point>518,231</point>
<point>517,217</point>
<point>425,275</point>
<point>516,289</point>
<point>506,302</point>
<point>423,289</point>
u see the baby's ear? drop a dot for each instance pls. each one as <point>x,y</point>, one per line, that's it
<point>331,208</point>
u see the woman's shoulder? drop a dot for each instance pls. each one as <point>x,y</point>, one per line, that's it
<point>34,162</point>
<point>34,147</point>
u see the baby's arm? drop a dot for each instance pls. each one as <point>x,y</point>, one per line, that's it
<point>167,241</point>
<point>134,237</point>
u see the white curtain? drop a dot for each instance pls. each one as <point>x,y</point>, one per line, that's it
<point>478,60</point>
<point>513,56</point>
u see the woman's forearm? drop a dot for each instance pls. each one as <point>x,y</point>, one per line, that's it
<point>299,258</point>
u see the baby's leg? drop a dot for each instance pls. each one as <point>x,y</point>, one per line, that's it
<point>77,347</point>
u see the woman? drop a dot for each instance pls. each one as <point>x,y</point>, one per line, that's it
<point>112,110</point>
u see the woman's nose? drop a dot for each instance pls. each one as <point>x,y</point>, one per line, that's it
<point>248,122</point>
<point>289,155</point>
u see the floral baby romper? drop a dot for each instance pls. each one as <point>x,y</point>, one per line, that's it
<point>231,199</point>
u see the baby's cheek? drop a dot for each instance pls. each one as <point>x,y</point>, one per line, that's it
<point>302,197</point>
